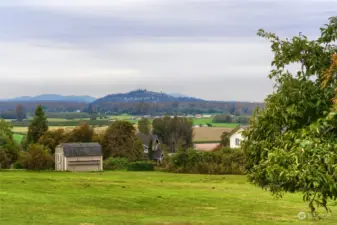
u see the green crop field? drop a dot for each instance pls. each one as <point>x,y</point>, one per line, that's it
<point>204,121</point>
<point>55,198</point>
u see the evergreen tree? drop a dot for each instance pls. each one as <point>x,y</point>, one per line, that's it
<point>38,126</point>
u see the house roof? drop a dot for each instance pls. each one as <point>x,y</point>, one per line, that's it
<point>236,129</point>
<point>81,149</point>
<point>145,138</point>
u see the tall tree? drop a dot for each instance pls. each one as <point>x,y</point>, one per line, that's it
<point>51,138</point>
<point>120,140</point>
<point>38,126</point>
<point>9,150</point>
<point>144,126</point>
<point>82,133</point>
<point>174,132</point>
<point>20,113</point>
<point>291,145</point>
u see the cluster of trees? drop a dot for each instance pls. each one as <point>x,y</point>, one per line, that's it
<point>291,145</point>
<point>48,106</point>
<point>174,133</point>
<point>37,148</point>
<point>19,114</point>
<point>227,118</point>
<point>175,107</point>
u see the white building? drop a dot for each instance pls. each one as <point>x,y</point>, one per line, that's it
<point>79,157</point>
<point>235,136</point>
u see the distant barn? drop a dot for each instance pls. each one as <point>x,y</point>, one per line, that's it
<point>78,157</point>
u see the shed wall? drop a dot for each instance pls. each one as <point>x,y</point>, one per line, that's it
<point>84,163</point>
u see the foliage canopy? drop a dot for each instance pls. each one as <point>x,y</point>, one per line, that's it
<point>291,145</point>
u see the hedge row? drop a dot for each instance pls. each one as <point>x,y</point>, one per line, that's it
<point>123,164</point>
<point>225,161</point>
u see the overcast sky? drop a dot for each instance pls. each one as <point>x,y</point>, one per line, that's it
<point>202,48</point>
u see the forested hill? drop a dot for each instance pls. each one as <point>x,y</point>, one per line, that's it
<point>51,98</point>
<point>145,96</point>
<point>154,103</point>
<point>139,102</point>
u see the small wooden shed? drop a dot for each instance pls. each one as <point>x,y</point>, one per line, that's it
<point>79,157</point>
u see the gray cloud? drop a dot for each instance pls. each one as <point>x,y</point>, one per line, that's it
<point>203,48</point>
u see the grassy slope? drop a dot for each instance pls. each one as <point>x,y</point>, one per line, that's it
<point>43,198</point>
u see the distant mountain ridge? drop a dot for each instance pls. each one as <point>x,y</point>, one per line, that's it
<point>52,97</point>
<point>145,96</point>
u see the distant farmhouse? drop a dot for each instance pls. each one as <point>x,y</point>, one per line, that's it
<point>79,157</point>
<point>157,152</point>
<point>236,137</point>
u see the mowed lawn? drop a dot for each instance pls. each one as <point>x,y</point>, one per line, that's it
<point>55,198</point>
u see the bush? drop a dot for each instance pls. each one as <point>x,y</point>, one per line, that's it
<point>4,160</point>
<point>37,157</point>
<point>116,163</point>
<point>225,161</point>
<point>141,166</point>
<point>17,165</point>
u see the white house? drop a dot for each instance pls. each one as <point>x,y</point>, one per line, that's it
<point>235,136</point>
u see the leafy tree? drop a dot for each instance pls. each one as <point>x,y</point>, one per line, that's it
<point>51,138</point>
<point>174,132</point>
<point>38,126</point>
<point>144,126</point>
<point>225,139</point>
<point>20,113</point>
<point>291,145</point>
<point>5,128</point>
<point>8,147</point>
<point>81,133</point>
<point>37,157</point>
<point>120,140</point>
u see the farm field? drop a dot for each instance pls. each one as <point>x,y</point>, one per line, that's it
<point>205,121</point>
<point>209,134</point>
<point>43,198</point>
<point>201,134</point>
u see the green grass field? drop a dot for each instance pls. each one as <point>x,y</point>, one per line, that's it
<point>204,121</point>
<point>18,138</point>
<point>55,198</point>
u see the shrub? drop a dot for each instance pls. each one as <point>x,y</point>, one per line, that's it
<point>37,157</point>
<point>17,165</point>
<point>141,166</point>
<point>4,160</point>
<point>118,163</point>
<point>225,161</point>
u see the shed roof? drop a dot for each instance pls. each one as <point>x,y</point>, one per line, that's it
<point>81,149</point>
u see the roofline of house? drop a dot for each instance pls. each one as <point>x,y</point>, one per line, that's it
<point>236,129</point>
